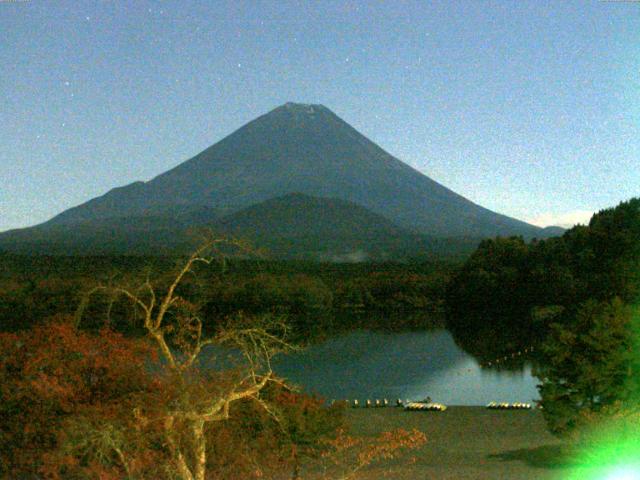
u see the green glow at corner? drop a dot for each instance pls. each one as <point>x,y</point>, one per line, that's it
<point>619,461</point>
<point>623,473</point>
<point>611,451</point>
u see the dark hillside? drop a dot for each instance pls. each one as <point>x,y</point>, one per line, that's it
<point>307,149</point>
<point>371,201</point>
<point>292,226</point>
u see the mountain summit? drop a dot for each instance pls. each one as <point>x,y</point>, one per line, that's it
<point>297,167</point>
<point>307,149</point>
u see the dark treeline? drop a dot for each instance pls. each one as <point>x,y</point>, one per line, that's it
<point>122,391</point>
<point>68,389</point>
<point>508,293</point>
<point>502,299</point>
<point>317,297</point>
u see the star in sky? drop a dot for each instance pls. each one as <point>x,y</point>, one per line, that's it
<point>557,81</point>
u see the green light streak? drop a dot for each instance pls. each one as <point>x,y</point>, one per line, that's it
<point>610,449</point>
<point>613,453</point>
<point>623,473</point>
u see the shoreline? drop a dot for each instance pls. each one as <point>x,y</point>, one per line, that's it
<point>466,443</point>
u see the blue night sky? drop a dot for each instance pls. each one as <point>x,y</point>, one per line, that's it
<point>529,108</point>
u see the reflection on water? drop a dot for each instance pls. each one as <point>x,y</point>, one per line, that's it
<point>410,365</point>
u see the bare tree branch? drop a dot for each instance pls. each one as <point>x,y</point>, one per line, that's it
<point>168,315</point>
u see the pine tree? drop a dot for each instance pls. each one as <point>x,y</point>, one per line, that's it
<point>589,364</point>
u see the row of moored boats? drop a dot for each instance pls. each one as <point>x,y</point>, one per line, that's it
<point>428,405</point>
<point>508,406</point>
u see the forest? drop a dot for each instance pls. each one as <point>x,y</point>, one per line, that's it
<point>575,299</point>
<point>134,367</point>
<point>120,367</point>
<point>518,289</point>
<point>34,288</point>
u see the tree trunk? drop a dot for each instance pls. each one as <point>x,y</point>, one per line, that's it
<point>200,450</point>
<point>183,469</point>
<point>178,457</point>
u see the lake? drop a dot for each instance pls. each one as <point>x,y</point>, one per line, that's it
<point>408,365</point>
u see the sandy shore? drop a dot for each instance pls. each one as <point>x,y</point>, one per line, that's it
<point>467,443</point>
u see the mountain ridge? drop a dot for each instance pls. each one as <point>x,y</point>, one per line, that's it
<point>309,149</point>
<point>295,149</point>
<point>292,226</point>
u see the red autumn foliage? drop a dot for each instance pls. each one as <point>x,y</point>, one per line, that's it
<point>54,372</point>
<point>82,405</point>
<point>346,457</point>
<point>78,405</point>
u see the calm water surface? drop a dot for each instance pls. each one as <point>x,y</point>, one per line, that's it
<point>410,365</point>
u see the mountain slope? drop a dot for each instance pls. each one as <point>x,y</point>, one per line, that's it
<point>291,226</point>
<point>156,231</point>
<point>301,226</point>
<point>307,149</point>
<point>298,215</point>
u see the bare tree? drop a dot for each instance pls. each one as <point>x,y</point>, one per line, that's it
<point>174,326</point>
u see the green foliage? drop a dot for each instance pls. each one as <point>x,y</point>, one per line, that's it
<point>489,299</point>
<point>606,254</point>
<point>392,292</point>
<point>295,294</point>
<point>318,297</point>
<point>589,362</point>
<point>490,278</point>
<point>496,299</point>
<point>571,294</point>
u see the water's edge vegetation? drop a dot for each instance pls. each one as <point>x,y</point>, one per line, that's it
<point>70,382</point>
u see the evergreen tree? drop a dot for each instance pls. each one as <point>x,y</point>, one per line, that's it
<point>589,365</point>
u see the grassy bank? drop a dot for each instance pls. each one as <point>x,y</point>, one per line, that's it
<point>468,443</point>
